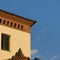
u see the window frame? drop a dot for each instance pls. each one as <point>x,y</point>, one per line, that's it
<point>5,45</point>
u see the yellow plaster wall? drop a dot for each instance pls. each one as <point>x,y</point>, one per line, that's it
<point>18,39</point>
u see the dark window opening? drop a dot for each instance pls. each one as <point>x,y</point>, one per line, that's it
<point>7,22</point>
<point>18,26</point>
<point>4,22</point>
<point>5,42</point>
<point>11,24</point>
<point>0,20</point>
<point>15,25</point>
<point>22,27</point>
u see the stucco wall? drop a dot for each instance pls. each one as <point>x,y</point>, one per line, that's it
<point>18,39</point>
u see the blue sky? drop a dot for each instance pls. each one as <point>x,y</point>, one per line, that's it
<point>45,34</point>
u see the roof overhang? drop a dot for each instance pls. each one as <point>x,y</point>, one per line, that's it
<point>17,18</point>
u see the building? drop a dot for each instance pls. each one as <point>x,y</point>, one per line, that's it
<point>14,35</point>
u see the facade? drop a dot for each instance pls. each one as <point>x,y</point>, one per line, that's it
<point>14,34</point>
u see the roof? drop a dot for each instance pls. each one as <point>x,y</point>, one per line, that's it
<point>18,18</point>
<point>19,56</point>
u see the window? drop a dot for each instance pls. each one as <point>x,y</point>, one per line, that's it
<point>15,25</point>
<point>7,22</point>
<point>5,42</point>
<point>0,20</point>
<point>11,24</point>
<point>21,27</point>
<point>18,26</point>
<point>4,22</point>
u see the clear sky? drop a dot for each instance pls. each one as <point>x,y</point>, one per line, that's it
<point>45,34</point>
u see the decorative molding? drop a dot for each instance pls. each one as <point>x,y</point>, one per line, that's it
<point>17,18</point>
<point>15,25</point>
<point>14,21</point>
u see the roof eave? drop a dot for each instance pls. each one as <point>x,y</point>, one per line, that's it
<point>33,23</point>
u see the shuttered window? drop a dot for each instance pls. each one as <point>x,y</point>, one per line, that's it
<point>5,42</point>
